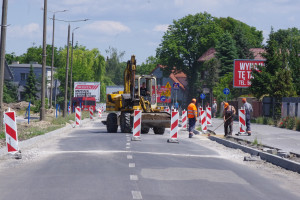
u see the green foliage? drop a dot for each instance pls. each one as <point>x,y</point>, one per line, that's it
<point>211,77</point>
<point>297,124</point>
<point>114,67</point>
<point>37,105</point>
<point>11,57</point>
<point>287,122</point>
<point>9,92</point>
<point>226,53</point>
<point>30,87</point>
<point>275,78</point>
<point>146,68</point>
<point>252,37</point>
<point>184,42</point>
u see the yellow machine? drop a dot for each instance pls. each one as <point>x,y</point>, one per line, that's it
<point>121,104</point>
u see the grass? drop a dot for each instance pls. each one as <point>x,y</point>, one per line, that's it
<point>199,128</point>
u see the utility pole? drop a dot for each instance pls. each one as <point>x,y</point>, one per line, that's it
<point>71,72</point>
<point>67,72</point>
<point>2,58</point>
<point>42,111</point>
<point>52,61</point>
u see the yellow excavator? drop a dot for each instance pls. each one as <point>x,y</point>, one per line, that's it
<point>140,93</point>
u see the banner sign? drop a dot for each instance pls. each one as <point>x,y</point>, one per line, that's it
<point>87,89</point>
<point>242,72</point>
<point>162,91</point>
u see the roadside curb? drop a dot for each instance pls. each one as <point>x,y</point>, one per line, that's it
<point>40,138</point>
<point>274,159</point>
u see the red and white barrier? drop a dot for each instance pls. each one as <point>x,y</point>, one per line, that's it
<point>203,121</point>
<point>242,121</point>
<point>174,127</point>
<point>91,113</point>
<point>137,125</point>
<point>199,110</point>
<point>167,109</point>
<point>78,116</point>
<point>184,119</point>
<point>69,109</point>
<point>208,115</point>
<point>11,132</point>
<point>99,112</point>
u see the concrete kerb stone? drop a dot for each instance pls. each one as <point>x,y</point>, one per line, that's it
<point>40,138</point>
<point>274,159</point>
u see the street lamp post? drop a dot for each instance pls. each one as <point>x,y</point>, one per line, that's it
<point>52,61</point>
<point>71,72</point>
<point>42,111</point>
<point>2,58</point>
<point>67,64</point>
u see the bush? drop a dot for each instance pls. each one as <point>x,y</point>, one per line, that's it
<point>297,124</point>
<point>290,123</point>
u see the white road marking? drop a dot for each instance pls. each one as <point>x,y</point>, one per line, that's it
<point>131,165</point>
<point>134,178</point>
<point>128,144</point>
<point>129,156</point>
<point>136,195</point>
<point>127,147</point>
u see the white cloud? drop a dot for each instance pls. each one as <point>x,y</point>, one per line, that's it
<point>161,28</point>
<point>107,27</point>
<point>29,31</point>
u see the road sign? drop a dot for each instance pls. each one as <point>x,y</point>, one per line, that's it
<point>162,98</point>
<point>176,86</point>
<point>168,85</point>
<point>202,96</point>
<point>226,91</point>
<point>168,93</point>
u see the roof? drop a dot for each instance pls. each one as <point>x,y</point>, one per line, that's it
<point>28,65</point>
<point>177,77</point>
<point>257,52</point>
<point>210,53</point>
<point>8,75</point>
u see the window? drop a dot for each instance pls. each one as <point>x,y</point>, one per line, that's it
<point>24,76</point>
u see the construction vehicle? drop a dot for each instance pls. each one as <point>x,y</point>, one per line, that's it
<point>121,104</point>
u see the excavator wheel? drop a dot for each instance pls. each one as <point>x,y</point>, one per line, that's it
<point>125,122</point>
<point>145,130</point>
<point>158,130</point>
<point>112,123</point>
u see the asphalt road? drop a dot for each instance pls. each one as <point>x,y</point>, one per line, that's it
<point>89,163</point>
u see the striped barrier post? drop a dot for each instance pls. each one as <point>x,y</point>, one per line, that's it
<point>199,111</point>
<point>203,121</point>
<point>11,133</point>
<point>174,127</point>
<point>91,113</point>
<point>184,119</point>
<point>78,116</point>
<point>167,109</point>
<point>208,115</point>
<point>137,125</point>
<point>242,121</point>
<point>99,112</point>
<point>69,110</point>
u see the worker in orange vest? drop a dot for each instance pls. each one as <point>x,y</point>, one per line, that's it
<point>192,115</point>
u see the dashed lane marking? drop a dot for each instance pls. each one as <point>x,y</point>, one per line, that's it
<point>136,195</point>
<point>129,157</point>
<point>131,165</point>
<point>134,178</point>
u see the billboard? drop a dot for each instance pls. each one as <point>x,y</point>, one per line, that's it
<point>87,89</point>
<point>242,72</point>
<point>163,91</point>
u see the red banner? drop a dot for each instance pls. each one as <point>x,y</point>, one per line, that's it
<point>163,91</point>
<point>242,72</point>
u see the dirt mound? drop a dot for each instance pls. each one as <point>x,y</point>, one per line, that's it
<point>16,106</point>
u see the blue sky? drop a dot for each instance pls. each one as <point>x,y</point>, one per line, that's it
<point>133,26</point>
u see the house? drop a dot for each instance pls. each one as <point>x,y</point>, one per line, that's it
<point>177,95</point>
<point>20,73</point>
<point>8,75</point>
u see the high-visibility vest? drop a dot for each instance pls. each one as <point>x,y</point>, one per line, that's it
<point>191,109</point>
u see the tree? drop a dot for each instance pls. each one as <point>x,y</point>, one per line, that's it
<point>184,42</point>
<point>114,67</point>
<point>242,44</point>
<point>226,53</point>
<point>146,68</point>
<point>211,77</point>
<point>30,87</point>
<point>275,78</point>
<point>9,92</point>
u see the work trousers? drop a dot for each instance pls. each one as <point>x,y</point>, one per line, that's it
<point>228,124</point>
